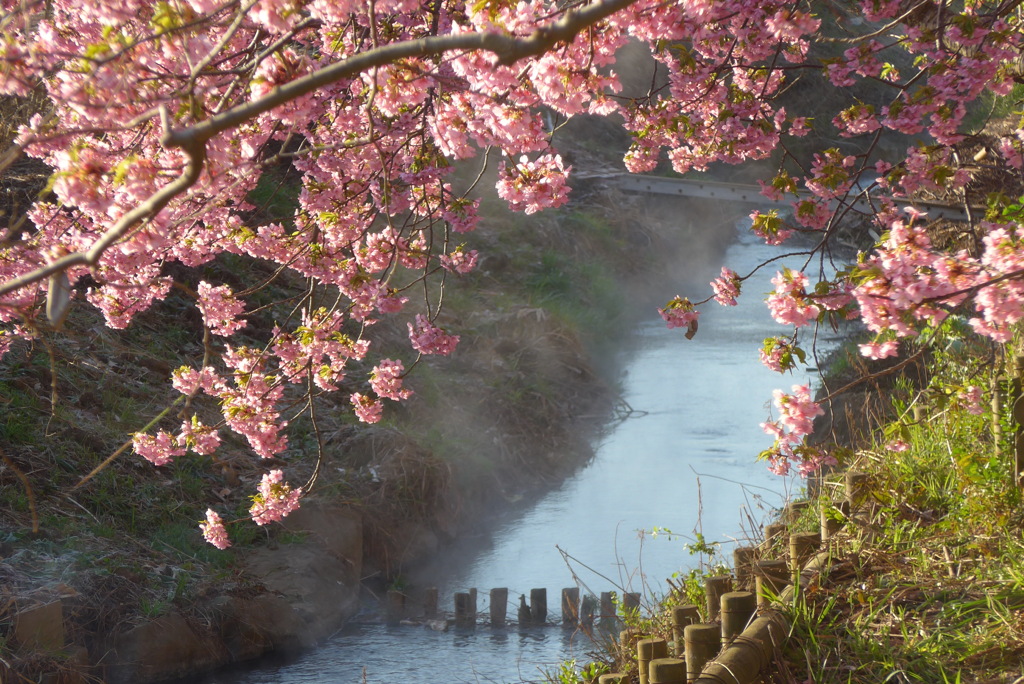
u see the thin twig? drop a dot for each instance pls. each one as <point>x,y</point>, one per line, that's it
<point>121,449</point>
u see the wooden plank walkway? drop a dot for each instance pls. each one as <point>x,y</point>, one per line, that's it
<point>751,194</point>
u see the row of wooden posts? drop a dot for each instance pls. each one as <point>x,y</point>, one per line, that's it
<point>575,611</point>
<point>736,645</point>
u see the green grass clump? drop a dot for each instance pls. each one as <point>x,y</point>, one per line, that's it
<point>927,578</point>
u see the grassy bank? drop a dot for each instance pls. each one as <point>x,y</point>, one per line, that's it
<point>927,580</point>
<point>925,574</point>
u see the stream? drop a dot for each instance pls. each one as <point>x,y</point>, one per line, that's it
<point>684,460</point>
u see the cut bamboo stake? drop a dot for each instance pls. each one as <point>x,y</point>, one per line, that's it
<point>613,678</point>
<point>686,614</point>
<point>830,524</point>
<point>667,671</point>
<point>753,650</point>
<point>738,607</point>
<point>802,547</point>
<point>702,644</point>
<point>743,558</point>
<point>771,576</point>
<point>646,651</point>
<point>714,587</point>
<point>749,654</point>
<point>793,510</point>
<point>631,602</point>
<point>772,533</point>
<point>856,489</point>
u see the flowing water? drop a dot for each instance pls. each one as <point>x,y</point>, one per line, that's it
<point>683,460</point>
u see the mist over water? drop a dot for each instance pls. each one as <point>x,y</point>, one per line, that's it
<point>684,459</point>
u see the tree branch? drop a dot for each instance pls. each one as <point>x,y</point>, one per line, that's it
<point>193,140</point>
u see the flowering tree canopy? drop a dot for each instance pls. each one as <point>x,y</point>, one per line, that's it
<point>160,118</point>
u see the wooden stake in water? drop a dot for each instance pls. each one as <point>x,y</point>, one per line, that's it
<point>464,615</point>
<point>430,602</point>
<point>396,606</point>
<point>538,606</point>
<point>588,608</point>
<point>499,606</point>
<point>525,616</point>
<point>608,617</point>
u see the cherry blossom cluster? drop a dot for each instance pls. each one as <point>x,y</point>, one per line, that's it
<point>780,354</point>
<point>726,287</point>
<point>789,303</point>
<point>679,313</point>
<point>427,338</point>
<point>220,309</point>
<point>530,186</point>
<point>214,531</point>
<point>274,499</point>
<point>797,412</point>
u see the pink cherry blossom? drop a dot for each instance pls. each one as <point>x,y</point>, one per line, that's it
<point>789,303</point>
<point>427,338</point>
<point>161,139</point>
<point>159,449</point>
<point>726,287</point>
<point>530,186</point>
<point>200,438</point>
<point>220,309</point>
<point>274,499</point>
<point>367,409</point>
<point>879,350</point>
<point>679,313</point>
<point>386,380</point>
<point>214,531</point>
<point>970,397</point>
